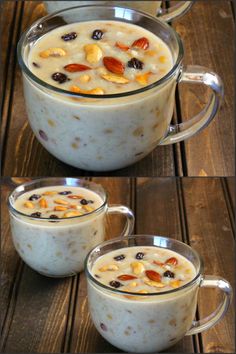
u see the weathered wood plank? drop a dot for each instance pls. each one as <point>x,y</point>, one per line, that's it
<point>85,337</point>
<point>207,33</point>
<point>211,235</point>
<point>157,211</point>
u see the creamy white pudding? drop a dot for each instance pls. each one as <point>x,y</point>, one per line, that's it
<point>100,57</point>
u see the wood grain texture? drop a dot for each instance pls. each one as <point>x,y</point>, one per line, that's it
<point>207,32</point>
<point>211,235</point>
<point>158,213</point>
<point>85,337</point>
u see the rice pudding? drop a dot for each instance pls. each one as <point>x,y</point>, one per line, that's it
<point>143,314</point>
<point>100,57</point>
<point>57,228</point>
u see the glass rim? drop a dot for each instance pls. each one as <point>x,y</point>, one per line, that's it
<point>52,88</point>
<point>120,292</point>
<point>13,210</point>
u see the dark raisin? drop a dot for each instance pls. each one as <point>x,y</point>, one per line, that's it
<point>135,64</point>
<point>37,214</point>
<point>34,197</point>
<point>90,201</point>
<point>53,216</point>
<point>60,77</point>
<point>83,202</point>
<point>120,257</point>
<point>115,284</point>
<point>97,276</point>
<point>97,34</point>
<point>169,274</point>
<point>139,255</point>
<point>36,65</point>
<point>69,36</point>
<point>103,326</point>
<point>65,192</point>
<point>43,135</point>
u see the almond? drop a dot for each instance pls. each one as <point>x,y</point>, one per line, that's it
<point>50,193</point>
<point>70,214</point>
<point>113,65</point>
<point>29,205</point>
<point>60,201</point>
<point>142,79</point>
<point>52,52</point>
<point>88,208</point>
<point>122,46</point>
<point>126,277</point>
<point>93,53</point>
<point>43,203</point>
<point>160,264</point>
<point>154,283</point>
<point>60,208</point>
<point>95,91</point>
<point>73,68</point>
<point>142,43</point>
<point>152,275</point>
<point>72,196</point>
<point>172,261</point>
<point>115,78</point>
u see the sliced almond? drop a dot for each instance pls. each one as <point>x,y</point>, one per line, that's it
<point>115,78</point>
<point>73,196</point>
<point>137,267</point>
<point>109,267</point>
<point>142,79</point>
<point>60,208</point>
<point>29,205</point>
<point>61,201</point>
<point>93,53</point>
<point>70,214</point>
<point>154,283</point>
<point>52,52</point>
<point>43,203</point>
<point>175,283</point>
<point>95,91</point>
<point>88,208</point>
<point>50,193</point>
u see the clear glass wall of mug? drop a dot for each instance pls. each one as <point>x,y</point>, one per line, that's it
<point>151,7</point>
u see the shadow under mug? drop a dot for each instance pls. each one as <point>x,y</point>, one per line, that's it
<point>153,321</point>
<point>149,6</point>
<point>58,248</point>
<point>113,130</point>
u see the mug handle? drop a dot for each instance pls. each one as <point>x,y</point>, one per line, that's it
<point>121,209</point>
<point>174,11</point>
<point>195,74</point>
<point>209,321</point>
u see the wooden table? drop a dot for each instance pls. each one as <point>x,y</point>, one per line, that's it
<point>208,33</point>
<point>41,314</point>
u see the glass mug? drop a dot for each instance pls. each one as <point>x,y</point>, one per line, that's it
<point>156,321</point>
<point>58,248</point>
<point>147,110</point>
<point>151,7</point>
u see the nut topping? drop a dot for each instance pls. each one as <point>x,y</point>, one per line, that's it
<point>126,277</point>
<point>137,267</point>
<point>93,53</point>
<point>43,203</point>
<point>114,65</point>
<point>122,46</point>
<point>142,43</point>
<point>115,78</point>
<point>52,52</point>
<point>29,205</point>
<point>153,275</point>
<point>73,68</point>
<point>61,201</point>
